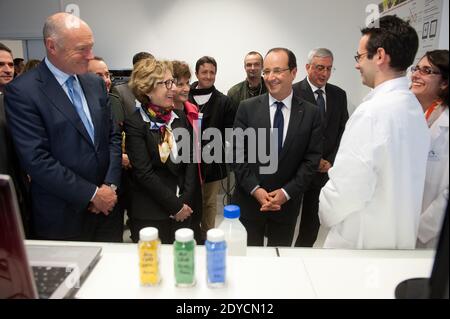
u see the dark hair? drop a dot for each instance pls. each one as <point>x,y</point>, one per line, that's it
<point>98,58</point>
<point>439,59</point>
<point>396,37</point>
<point>255,53</point>
<point>181,70</point>
<point>204,60</point>
<point>141,56</point>
<point>17,61</point>
<point>292,60</point>
<point>31,64</point>
<point>5,48</point>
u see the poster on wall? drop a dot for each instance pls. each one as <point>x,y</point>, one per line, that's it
<point>423,15</point>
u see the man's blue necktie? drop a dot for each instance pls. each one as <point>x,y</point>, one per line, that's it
<point>278,124</point>
<point>75,96</point>
<point>321,103</point>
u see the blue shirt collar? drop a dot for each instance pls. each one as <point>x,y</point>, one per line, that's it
<point>60,76</point>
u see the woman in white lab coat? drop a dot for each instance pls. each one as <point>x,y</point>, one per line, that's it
<point>430,85</point>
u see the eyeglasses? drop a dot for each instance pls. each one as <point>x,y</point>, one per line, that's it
<point>426,70</point>
<point>358,56</point>
<point>168,83</point>
<point>276,71</point>
<point>320,68</point>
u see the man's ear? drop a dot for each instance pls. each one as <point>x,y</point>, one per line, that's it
<point>50,44</point>
<point>382,57</point>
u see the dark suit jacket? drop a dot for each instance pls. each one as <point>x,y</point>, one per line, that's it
<point>56,151</point>
<point>9,164</point>
<point>4,141</point>
<point>153,183</point>
<point>297,161</point>
<point>333,125</point>
<point>127,99</point>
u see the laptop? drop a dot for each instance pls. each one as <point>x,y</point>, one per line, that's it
<point>37,271</point>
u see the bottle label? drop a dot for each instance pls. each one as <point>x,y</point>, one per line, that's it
<point>149,263</point>
<point>184,261</point>
<point>216,266</point>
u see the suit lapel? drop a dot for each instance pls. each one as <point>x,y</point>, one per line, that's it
<point>92,102</point>
<point>308,94</point>
<point>331,99</point>
<point>297,112</point>
<point>56,95</point>
<point>262,117</point>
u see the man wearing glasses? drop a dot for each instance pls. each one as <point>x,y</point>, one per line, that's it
<point>374,195</point>
<point>332,103</point>
<point>270,203</point>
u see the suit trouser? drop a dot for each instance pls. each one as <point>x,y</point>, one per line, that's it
<point>309,223</point>
<point>278,234</point>
<point>209,209</point>
<point>97,228</point>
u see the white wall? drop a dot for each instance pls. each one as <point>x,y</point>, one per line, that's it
<point>224,29</point>
<point>443,34</point>
<point>15,46</point>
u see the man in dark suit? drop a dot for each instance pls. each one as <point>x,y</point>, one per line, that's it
<point>62,128</point>
<point>270,202</point>
<point>332,102</point>
<point>9,163</point>
<point>6,76</point>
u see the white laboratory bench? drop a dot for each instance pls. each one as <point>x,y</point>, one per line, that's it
<point>297,273</point>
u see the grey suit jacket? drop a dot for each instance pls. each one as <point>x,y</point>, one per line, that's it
<point>126,98</point>
<point>297,162</point>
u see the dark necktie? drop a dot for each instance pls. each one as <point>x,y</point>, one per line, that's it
<point>278,124</point>
<point>321,103</point>
<point>76,101</point>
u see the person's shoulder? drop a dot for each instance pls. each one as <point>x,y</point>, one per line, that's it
<point>299,84</point>
<point>235,88</point>
<point>25,80</point>
<point>254,102</point>
<point>336,89</point>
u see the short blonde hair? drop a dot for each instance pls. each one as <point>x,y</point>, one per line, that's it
<point>146,74</point>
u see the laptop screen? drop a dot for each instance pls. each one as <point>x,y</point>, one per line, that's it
<point>16,279</point>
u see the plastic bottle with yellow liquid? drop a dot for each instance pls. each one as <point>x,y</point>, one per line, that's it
<point>149,247</point>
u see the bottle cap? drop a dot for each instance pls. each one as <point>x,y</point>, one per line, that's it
<point>184,235</point>
<point>231,211</point>
<point>215,235</point>
<point>148,233</point>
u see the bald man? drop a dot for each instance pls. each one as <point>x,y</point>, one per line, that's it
<point>60,120</point>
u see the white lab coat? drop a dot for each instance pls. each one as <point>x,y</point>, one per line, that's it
<point>373,198</point>
<point>435,196</point>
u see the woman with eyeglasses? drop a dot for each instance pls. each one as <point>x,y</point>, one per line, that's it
<point>430,85</point>
<point>162,188</point>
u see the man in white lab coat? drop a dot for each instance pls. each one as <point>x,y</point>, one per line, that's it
<point>374,195</point>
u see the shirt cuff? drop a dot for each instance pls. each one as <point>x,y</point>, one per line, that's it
<point>286,194</point>
<point>95,193</point>
<point>254,190</point>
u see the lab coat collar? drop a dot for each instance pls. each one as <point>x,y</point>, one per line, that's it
<point>400,83</point>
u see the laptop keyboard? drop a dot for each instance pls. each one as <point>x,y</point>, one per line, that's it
<point>48,279</point>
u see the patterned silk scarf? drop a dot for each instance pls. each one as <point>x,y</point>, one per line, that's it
<point>160,119</point>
